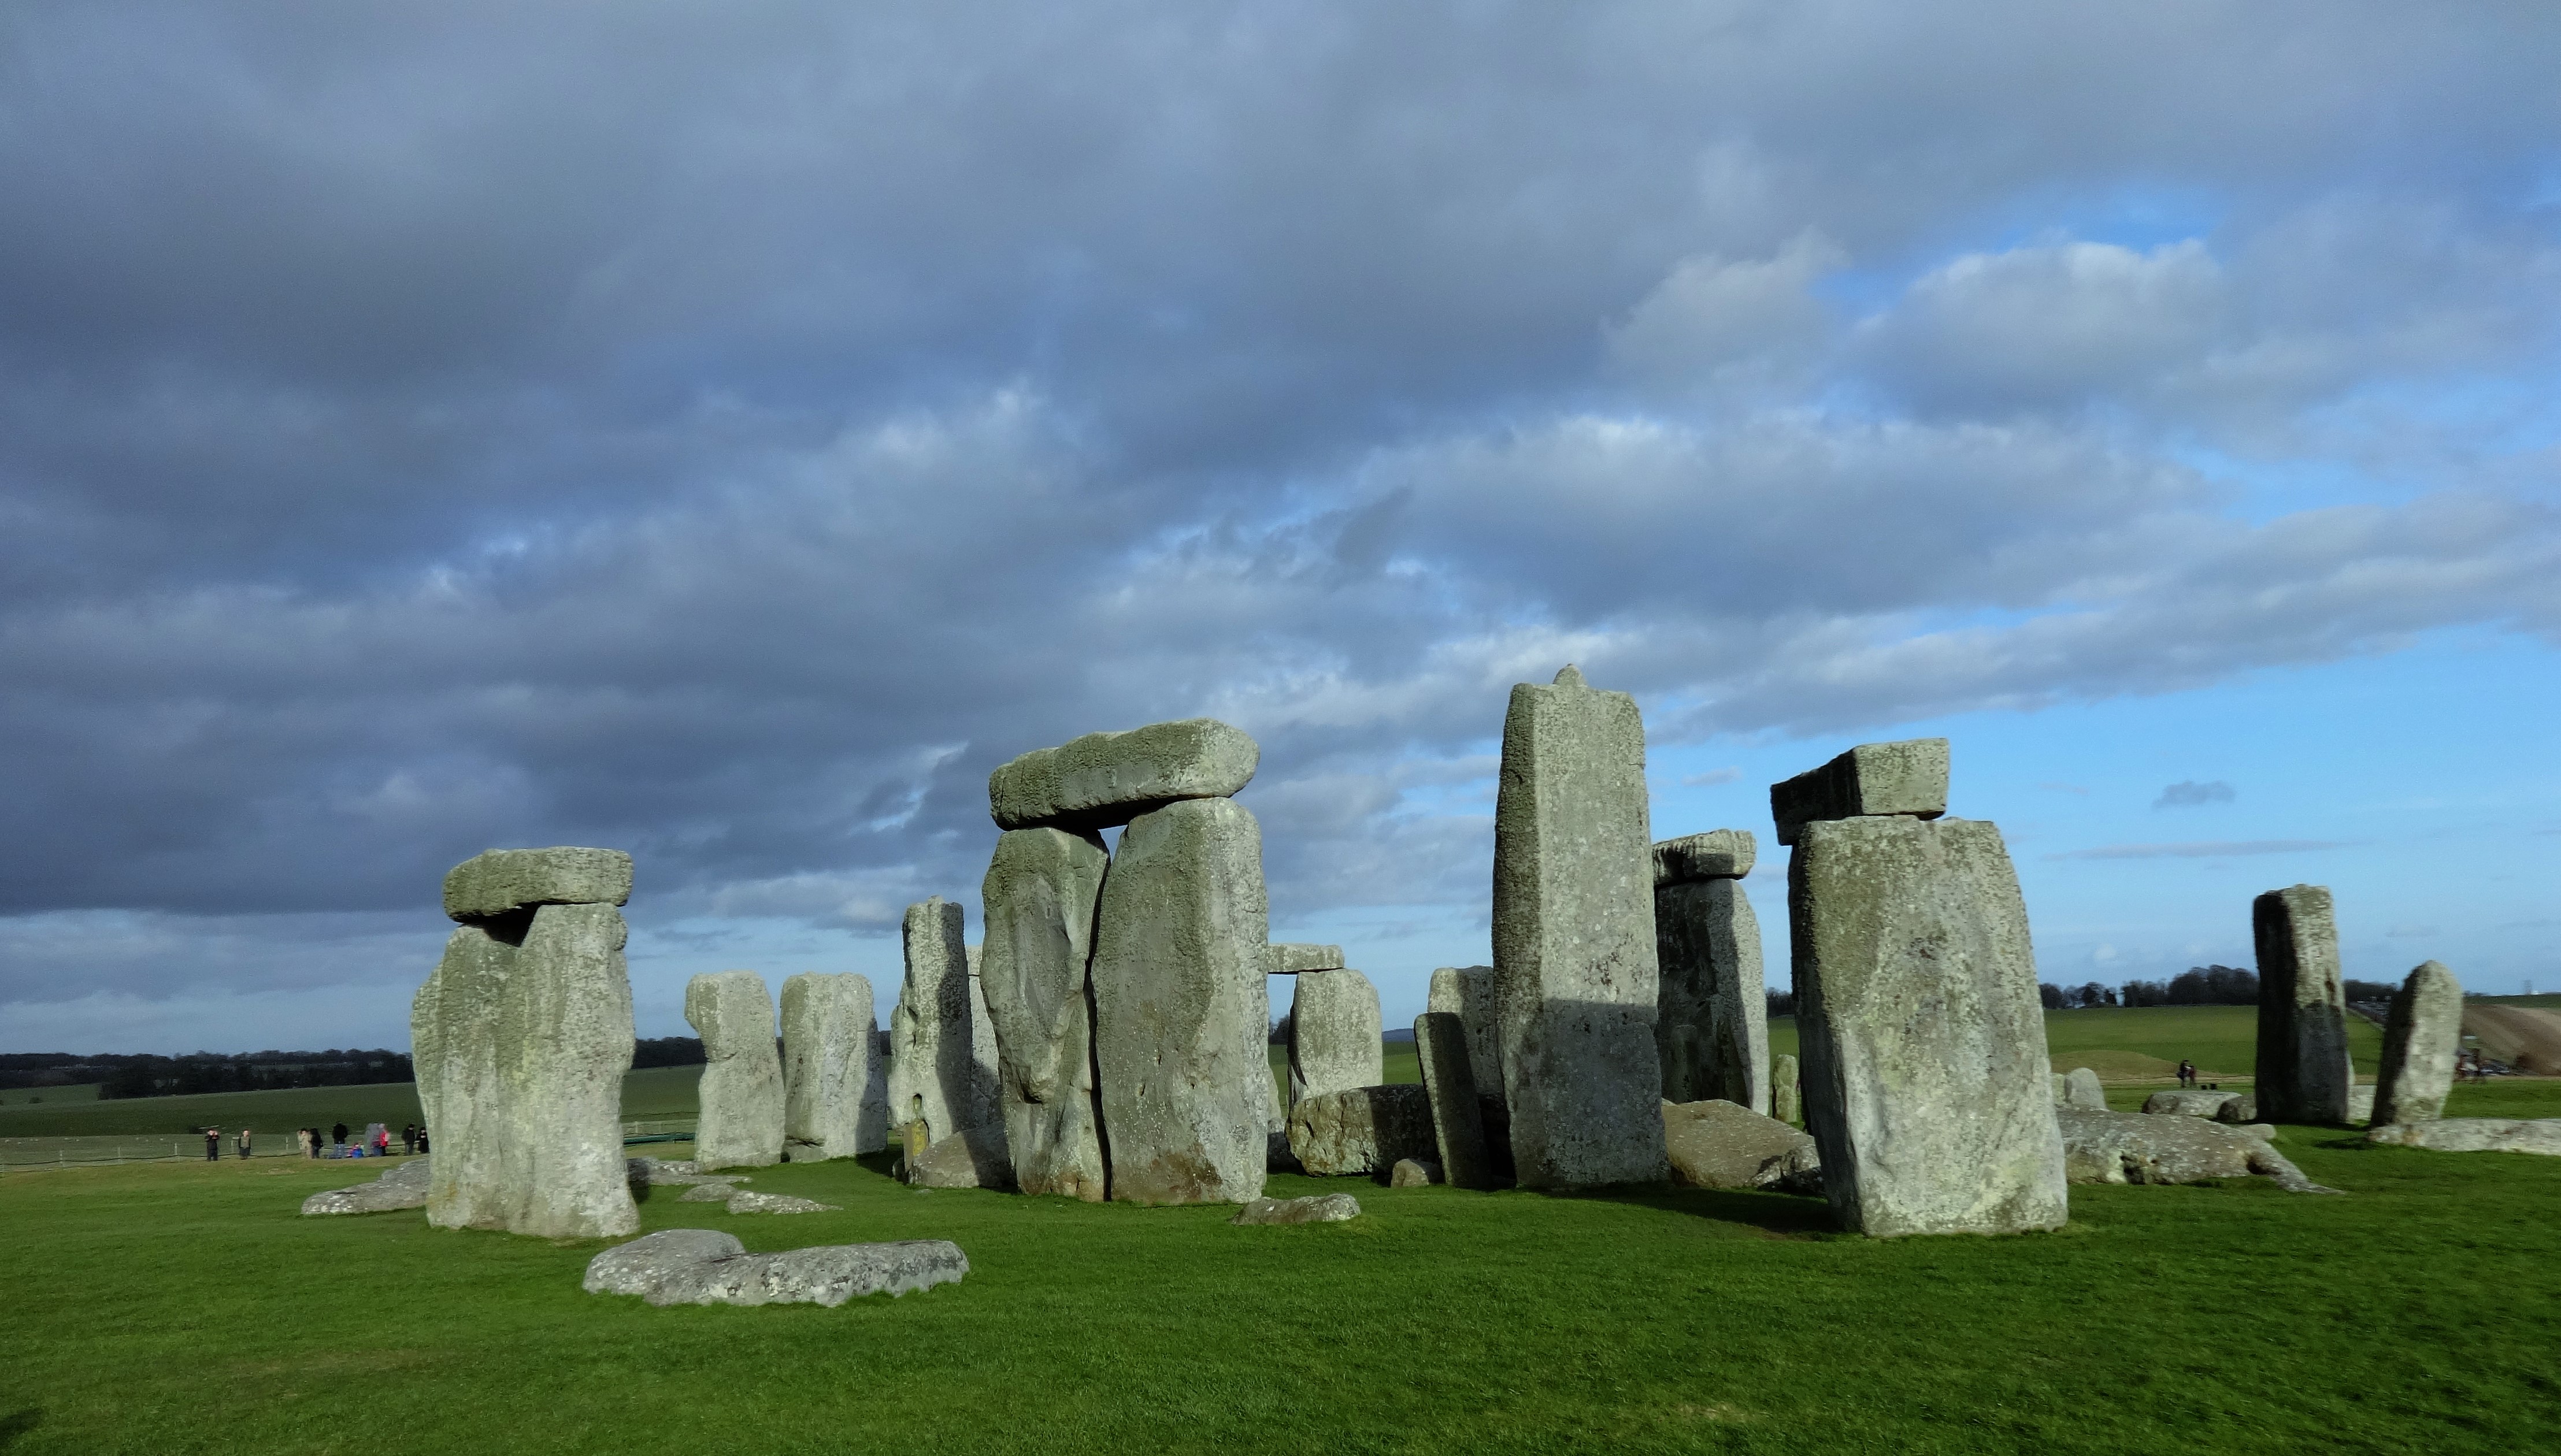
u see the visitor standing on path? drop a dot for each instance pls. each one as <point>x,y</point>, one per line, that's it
<point>383,1143</point>
<point>2186,1072</point>
<point>338,1136</point>
<point>422,1137</point>
<point>213,1145</point>
<point>244,1141</point>
<point>409,1137</point>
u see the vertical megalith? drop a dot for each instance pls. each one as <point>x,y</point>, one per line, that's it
<point>828,1048</point>
<point>1712,1030</point>
<point>740,1109</point>
<point>1467,993</point>
<point>521,1038</point>
<point>2421,1037</point>
<point>1927,1087</point>
<point>1573,939</point>
<point>1458,1120</point>
<point>934,1070</point>
<point>1335,1034</point>
<point>1787,1093</point>
<point>1180,1010</point>
<point>2304,1073</point>
<point>1039,900</point>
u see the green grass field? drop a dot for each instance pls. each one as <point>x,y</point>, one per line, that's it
<point>187,1308</point>
<point>26,1096</point>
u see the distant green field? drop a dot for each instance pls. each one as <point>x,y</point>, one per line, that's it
<point>2221,1039</point>
<point>22,1096</point>
<point>659,1091</point>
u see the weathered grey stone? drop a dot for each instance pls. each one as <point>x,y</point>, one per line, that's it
<point>1180,1010</point>
<point>1288,958</point>
<point>875,1113</point>
<point>2304,1073</point>
<point>1923,1038</point>
<point>2474,1135</point>
<point>985,1062</point>
<point>500,881</point>
<point>1468,993</point>
<point>2360,1104</point>
<point>934,1072</point>
<point>1332,1207</point>
<point>1573,939</point>
<point>706,1266</point>
<point>1712,1031</point>
<point>2241,1108</point>
<point>1413,1172</point>
<point>1907,778</point>
<point>1039,900</point>
<point>828,1047</point>
<point>1719,853</point>
<point>520,1048</point>
<point>1458,1118</point>
<point>2264,1132</point>
<point>2421,1037</point>
<point>2190,1105</point>
<point>1715,1143</point>
<point>1787,1092</point>
<point>1335,1035</point>
<point>1103,779</point>
<point>679,1171</point>
<point>2081,1089</point>
<point>974,1157</point>
<point>2141,1147</point>
<point>743,1201</point>
<point>1362,1129</point>
<point>707,1192</point>
<point>405,1186</point>
<point>739,1122</point>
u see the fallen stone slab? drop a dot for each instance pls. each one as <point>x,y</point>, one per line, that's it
<point>2150,1147</point>
<point>743,1201</point>
<point>974,1157</point>
<point>2304,1073</point>
<point>404,1186</point>
<point>1413,1172</point>
<point>1332,1207</point>
<point>1719,853</point>
<point>1289,958</point>
<point>2192,1104</point>
<point>501,881</point>
<point>1715,1143</point>
<point>2080,1087</point>
<point>2474,1135</point>
<point>673,1172</point>
<point>1362,1129</point>
<point>1907,777</point>
<point>1104,779</point>
<point>707,1266</point>
<point>707,1192</point>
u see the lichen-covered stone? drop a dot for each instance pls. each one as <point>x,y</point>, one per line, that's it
<point>2142,1147</point>
<point>2080,1088</point>
<point>1715,1143</point>
<point>502,882</point>
<point>1289,958</point>
<point>1712,1030</point>
<point>1468,993</point>
<point>1039,898</point>
<point>1335,1035</point>
<point>1923,1038</point>
<point>1787,1090</point>
<point>706,1266</point>
<point>1719,853</point>
<point>744,1201</point>
<point>1181,1014</point>
<point>934,1072</point>
<point>2304,1073</point>
<point>2190,1105</point>
<point>1458,1116</point>
<point>1413,1172</point>
<point>738,1121</point>
<point>1573,939</point>
<point>1362,1129</point>
<point>2421,1039</point>
<point>2474,1135</point>
<point>1104,779</point>
<point>405,1186</point>
<point>1332,1207</point>
<point>1907,778</point>
<point>828,1047</point>
<point>974,1157</point>
<point>520,1048</point>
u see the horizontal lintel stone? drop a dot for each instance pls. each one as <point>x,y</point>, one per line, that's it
<point>1906,777</point>
<point>1719,853</point>
<point>1289,958</point>
<point>497,881</point>
<point>1105,780</point>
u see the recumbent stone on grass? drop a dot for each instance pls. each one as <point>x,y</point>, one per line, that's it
<point>707,1266</point>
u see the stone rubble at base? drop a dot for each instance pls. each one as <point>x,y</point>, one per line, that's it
<point>404,1186</point>
<point>707,1266</point>
<point>1332,1207</point>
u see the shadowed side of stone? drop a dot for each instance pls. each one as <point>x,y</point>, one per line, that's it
<point>1712,1027</point>
<point>1038,897</point>
<point>2149,1147</point>
<point>974,1157</point>
<point>1362,1129</point>
<point>1332,1207</point>
<point>2304,1073</point>
<point>934,1075</point>
<point>2421,1039</point>
<point>1104,779</point>
<point>741,1097</point>
<point>1458,1116</point>
<point>1719,853</point>
<point>502,882</point>
<point>1468,993</point>
<point>706,1266</point>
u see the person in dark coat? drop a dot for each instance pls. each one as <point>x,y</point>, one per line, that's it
<point>213,1145</point>
<point>338,1136</point>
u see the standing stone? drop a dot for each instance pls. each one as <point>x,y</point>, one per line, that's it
<point>739,1122</point>
<point>984,1074</point>
<point>1787,1094</point>
<point>1335,1035</point>
<point>2421,1037</point>
<point>1457,1122</point>
<point>1573,939</point>
<point>1039,900</point>
<point>1467,993</point>
<point>1712,1030</point>
<point>521,1039</point>
<point>874,1127</point>
<point>1927,1079</point>
<point>2304,1073</point>
<point>1103,779</point>
<point>2080,1088</point>
<point>828,1048</point>
<point>1181,1015</point>
<point>934,1072</point>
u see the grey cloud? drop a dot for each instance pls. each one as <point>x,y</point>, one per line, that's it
<point>2190,793</point>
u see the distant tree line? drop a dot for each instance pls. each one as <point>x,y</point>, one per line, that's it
<point>255,1071</point>
<point>667,1051</point>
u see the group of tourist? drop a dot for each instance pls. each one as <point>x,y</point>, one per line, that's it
<point>309,1142</point>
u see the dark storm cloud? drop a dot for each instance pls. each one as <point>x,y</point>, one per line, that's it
<point>729,432</point>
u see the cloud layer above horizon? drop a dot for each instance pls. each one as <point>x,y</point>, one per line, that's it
<point>729,433</point>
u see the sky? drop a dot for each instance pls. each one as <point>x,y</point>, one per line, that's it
<point>727,432</point>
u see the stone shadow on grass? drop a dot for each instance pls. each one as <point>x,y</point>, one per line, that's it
<point>1782,1215</point>
<point>18,1423</point>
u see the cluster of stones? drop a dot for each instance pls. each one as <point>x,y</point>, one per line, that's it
<point>1712,1028</point>
<point>822,1094</point>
